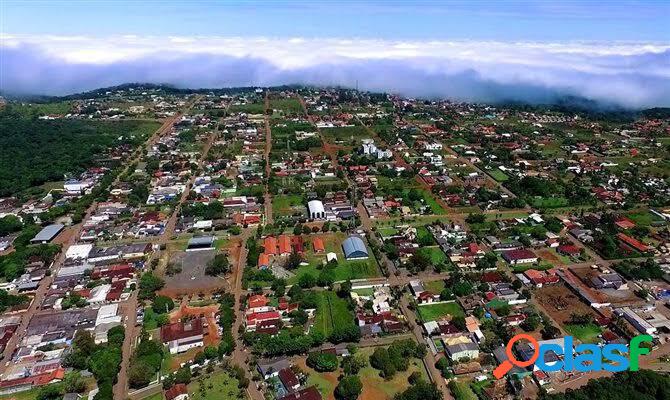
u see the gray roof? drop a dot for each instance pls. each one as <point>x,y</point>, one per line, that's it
<point>48,233</point>
<point>201,241</point>
<point>353,246</point>
<point>457,348</point>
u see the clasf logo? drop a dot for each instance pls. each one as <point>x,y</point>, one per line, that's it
<point>588,357</point>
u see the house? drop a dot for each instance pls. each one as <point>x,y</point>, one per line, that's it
<point>270,369</point>
<point>519,256</point>
<point>310,393</point>
<point>270,246</point>
<point>177,392</point>
<point>609,281</point>
<point>427,297</point>
<point>257,300</point>
<point>632,243</point>
<point>460,351</point>
<point>569,250</point>
<point>284,245</point>
<point>317,243</point>
<point>255,318</point>
<point>539,278</point>
<point>263,261</point>
<point>182,336</point>
<point>289,379</point>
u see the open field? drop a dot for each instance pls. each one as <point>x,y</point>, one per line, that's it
<point>560,302</point>
<point>584,333</point>
<point>331,311</point>
<point>376,387</point>
<point>433,312</point>
<point>192,279</point>
<point>215,386</point>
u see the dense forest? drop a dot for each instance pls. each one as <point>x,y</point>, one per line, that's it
<point>39,151</point>
<point>639,385</point>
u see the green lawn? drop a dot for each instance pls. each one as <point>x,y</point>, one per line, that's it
<point>434,286</point>
<point>215,386</point>
<point>331,311</point>
<point>437,256</point>
<point>423,235</point>
<point>28,110</point>
<point>371,379</point>
<point>283,205</point>
<point>542,266</point>
<point>461,391</point>
<point>286,105</point>
<point>325,387</point>
<point>157,396</point>
<point>26,395</point>
<point>584,333</point>
<point>548,202</point>
<point>346,134</point>
<point>643,218</point>
<point>498,175</point>
<point>433,312</point>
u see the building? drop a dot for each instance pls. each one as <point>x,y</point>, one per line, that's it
<point>460,351</point>
<point>200,243</point>
<point>78,251</point>
<point>316,210</point>
<point>284,245</point>
<point>354,248</point>
<point>519,256</point>
<point>177,392</point>
<point>318,245</point>
<point>263,261</point>
<point>310,393</point>
<point>289,379</point>
<point>47,234</point>
<point>182,336</point>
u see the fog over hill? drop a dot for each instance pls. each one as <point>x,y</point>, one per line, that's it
<point>627,74</point>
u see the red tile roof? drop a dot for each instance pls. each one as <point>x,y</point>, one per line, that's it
<point>284,244</point>
<point>318,245</point>
<point>181,330</point>
<point>270,245</point>
<point>175,391</point>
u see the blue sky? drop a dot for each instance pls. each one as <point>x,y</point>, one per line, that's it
<point>478,20</point>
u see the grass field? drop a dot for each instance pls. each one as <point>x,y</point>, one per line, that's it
<point>584,333</point>
<point>433,312</point>
<point>286,105</point>
<point>215,386</point>
<point>542,266</point>
<point>548,202</point>
<point>346,134</point>
<point>643,218</point>
<point>376,387</point>
<point>331,311</point>
<point>434,286</point>
<point>462,391</point>
<point>283,205</point>
<point>437,256</point>
<point>30,109</point>
<point>498,175</point>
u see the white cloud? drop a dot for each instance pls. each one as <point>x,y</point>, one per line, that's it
<point>627,73</point>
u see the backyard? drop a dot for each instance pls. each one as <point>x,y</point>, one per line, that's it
<point>434,312</point>
<point>218,385</point>
<point>331,311</point>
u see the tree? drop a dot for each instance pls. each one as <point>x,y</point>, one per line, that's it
<point>149,284</point>
<point>162,304</point>
<point>183,375</point>
<point>307,281</point>
<point>140,374</point>
<point>219,265</point>
<point>322,362</point>
<point>351,365</point>
<point>73,382</point>
<point>349,388</point>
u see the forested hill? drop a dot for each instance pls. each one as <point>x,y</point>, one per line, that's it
<point>37,151</point>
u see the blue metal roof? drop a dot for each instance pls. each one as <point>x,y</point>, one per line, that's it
<point>353,246</point>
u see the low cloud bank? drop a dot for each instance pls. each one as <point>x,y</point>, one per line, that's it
<point>632,75</point>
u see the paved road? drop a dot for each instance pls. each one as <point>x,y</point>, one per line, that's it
<point>240,356</point>
<point>268,147</point>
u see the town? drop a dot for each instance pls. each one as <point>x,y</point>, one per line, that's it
<point>302,243</point>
